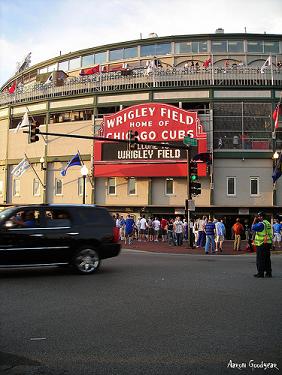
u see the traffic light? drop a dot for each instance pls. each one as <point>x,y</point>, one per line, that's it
<point>33,131</point>
<point>133,139</point>
<point>195,185</point>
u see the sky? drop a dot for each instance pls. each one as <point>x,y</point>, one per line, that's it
<point>46,27</point>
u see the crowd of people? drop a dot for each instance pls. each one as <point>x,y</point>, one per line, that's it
<point>205,232</point>
<point>152,229</point>
<point>208,233</point>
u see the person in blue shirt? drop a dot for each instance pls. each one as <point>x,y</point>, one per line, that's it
<point>277,228</point>
<point>129,229</point>
<point>220,232</point>
<point>26,220</point>
<point>210,232</point>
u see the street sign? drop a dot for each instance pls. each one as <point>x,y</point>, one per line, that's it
<point>191,205</point>
<point>188,141</point>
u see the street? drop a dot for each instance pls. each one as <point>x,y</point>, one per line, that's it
<point>142,313</point>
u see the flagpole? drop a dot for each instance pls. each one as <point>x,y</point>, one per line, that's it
<point>212,70</point>
<point>35,171</point>
<point>271,70</point>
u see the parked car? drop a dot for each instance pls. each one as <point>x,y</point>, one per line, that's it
<point>43,235</point>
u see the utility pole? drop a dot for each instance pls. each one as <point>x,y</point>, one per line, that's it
<point>188,198</point>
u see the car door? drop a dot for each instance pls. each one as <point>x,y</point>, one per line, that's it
<point>57,234</point>
<point>20,244</point>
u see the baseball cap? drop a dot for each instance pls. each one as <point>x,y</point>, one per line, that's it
<point>261,213</point>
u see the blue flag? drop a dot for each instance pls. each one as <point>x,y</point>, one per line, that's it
<point>74,161</point>
<point>277,170</point>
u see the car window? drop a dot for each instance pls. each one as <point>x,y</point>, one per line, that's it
<point>6,214</point>
<point>95,216</point>
<point>26,218</point>
<point>57,218</point>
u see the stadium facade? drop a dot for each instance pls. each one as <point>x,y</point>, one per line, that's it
<point>221,89</point>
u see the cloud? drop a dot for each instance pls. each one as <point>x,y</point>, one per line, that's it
<point>48,27</point>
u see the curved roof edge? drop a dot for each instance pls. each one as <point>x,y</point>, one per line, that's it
<point>144,40</point>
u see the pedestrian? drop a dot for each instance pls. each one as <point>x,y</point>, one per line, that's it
<point>143,227</point>
<point>277,228</point>
<point>263,242</point>
<point>178,230</point>
<point>201,232</point>
<point>138,229</point>
<point>196,229</point>
<point>210,232</point>
<point>220,233</point>
<point>156,226</point>
<point>170,233</point>
<point>150,229</point>
<point>121,227</point>
<point>129,229</point>
<point>238,230</point>
<point>164,223</point>
<point>185,229</point>
<point>192,236</point>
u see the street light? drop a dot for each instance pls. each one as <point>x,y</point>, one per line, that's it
<point>84,173</point>
<point>275,155</point>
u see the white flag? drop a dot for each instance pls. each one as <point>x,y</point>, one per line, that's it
<point>49,79</point>
<point>23,123</point>
<point>19,169</point>
<point>268,62</point>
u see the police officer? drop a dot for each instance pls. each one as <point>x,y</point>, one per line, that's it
<point>263,242</point>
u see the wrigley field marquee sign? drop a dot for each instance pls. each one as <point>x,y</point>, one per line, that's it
<point>154,122</point>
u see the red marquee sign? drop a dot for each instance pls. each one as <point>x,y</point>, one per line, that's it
<point>154,122</point>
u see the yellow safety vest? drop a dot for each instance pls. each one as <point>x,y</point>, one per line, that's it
<point>264,236</point>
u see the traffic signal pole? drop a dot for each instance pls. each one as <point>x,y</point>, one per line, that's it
<point>189,197</point>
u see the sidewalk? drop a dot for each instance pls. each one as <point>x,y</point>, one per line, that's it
<point>163,247</point>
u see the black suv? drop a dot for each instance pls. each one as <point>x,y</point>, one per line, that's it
<point>44,235</point>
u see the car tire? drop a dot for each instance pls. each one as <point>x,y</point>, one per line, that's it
<point>86,261</point>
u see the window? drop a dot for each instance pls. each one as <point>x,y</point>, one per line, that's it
<point>132,186</point>
<point>87,60</point>
<point>130,52</point>
<point>254,186</point>
<point>58,187</point>
<point>75,63</point>
<point>155,49</point>
<point>100,58</point>
<point>203,46</point>
<point>43,70</point>
<point>219,46</point>
<point>163,49</point>
<point>57,218</point>
<point>36,187</point>
<point>235,46</point>
<point>16,187</point>
<point>1,188</point>
<point>64,65</point>
<point>169,186</point>
<point>111,186</point>
<point>189,47</point>
<point>231,186</point>
<point>271,47</point>
<point>255,46</point>
<point>116,54</point>
<point>52,68</point>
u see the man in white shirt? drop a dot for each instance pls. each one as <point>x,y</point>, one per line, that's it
<point>156,225</point>
<point>143,227</point>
